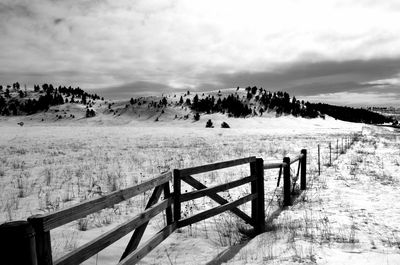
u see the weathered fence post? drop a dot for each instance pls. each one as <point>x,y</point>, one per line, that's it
<point>42,240</point>
<point>287,201</point>
<point>337,148</point>
<point>342,147</point>
<point>254,203</point>
<point>319,162</point>
<point>17,243</point>
<point>303,168</point>
<point>259,218</point>
<point>177,195</point>
<point>330,154</point>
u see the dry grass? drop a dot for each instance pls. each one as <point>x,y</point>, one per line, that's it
<point>52,168</point>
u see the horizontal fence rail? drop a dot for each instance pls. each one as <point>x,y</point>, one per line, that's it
<point>53,220</point>
<point>40,226</point>
<point>216,166</point>
<point>274,165</point>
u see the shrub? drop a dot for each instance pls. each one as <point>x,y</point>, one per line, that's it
<point>225,125</point>
<point>196,116</point>
<point>209,124</point>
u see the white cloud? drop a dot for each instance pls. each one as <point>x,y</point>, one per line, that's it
<point>105,43</point>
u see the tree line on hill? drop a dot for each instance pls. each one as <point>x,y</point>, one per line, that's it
<point>15,101</point>
<point>352,114</point>
<point>256,102</point>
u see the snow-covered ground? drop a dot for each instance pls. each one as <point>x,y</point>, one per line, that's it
<point>347,216</point>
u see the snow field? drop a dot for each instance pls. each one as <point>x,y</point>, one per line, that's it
<point>349,214</point>
<point>45,168</point>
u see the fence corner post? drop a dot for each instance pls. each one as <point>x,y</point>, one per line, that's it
<point>43,241</point>
<point>287,201</point>
<point>177,195</point>
<point>260,222</point>
<point>303,167</point>
<point>254,202</point>
<point>17,243</point>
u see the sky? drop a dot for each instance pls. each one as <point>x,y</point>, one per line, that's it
<point>335,51</point>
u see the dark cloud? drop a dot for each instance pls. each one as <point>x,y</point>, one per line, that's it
<point>57,21</point>
<point>306,78</point>
<point>140,88</point>
<point>15,10</point>
<point>323,88</point>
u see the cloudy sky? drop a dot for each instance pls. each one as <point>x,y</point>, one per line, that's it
<point>338,51</point>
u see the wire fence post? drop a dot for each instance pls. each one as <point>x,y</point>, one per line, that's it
<point>337,148</point>
<point>319,162</point>
<point>342,147</point>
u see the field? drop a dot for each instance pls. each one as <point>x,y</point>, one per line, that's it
<point>348,214</point>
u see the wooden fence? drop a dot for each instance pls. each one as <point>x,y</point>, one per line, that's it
<point>28,242</point>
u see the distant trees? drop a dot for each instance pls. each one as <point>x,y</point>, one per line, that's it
<point>90,113</point>
<point>196,117</point>
<point>48,96</point>
<point>256,102</point>
<point>225,125</point>
<point>16,86</point>
<point>164,101</point>
<point>209,124</point>
<point>84,99</point>
<point>351,114</point>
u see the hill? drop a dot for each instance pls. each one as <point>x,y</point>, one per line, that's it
<point>47,103</point>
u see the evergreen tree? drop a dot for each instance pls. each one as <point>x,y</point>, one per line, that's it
<point>225,125</point>
<point>164,101</point>
<point>2,102</point>
<point>196,117</point>
<point>84,101</point>
<point>195,101</point>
